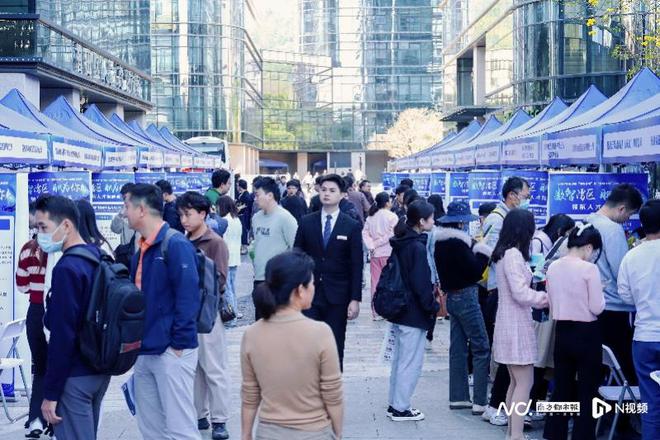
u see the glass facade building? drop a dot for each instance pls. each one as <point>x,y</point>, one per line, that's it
<point>207,73</point>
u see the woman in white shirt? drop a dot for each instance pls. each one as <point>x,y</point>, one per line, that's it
<point>227,210</point>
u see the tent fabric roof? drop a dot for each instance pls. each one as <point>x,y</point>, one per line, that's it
<point>12,120</point>
<point>645,109</point>
<point>519,117</point>
<point>153,133</point>
<point>168,136</point>
<point>555,107</point>
<point>137,129</point>
<point>491,125</point>
<point>96,116</point>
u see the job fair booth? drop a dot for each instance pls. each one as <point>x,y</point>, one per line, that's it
<point>563,152</point>
<point>81,156</point>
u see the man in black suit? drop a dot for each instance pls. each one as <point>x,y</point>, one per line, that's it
<point>334,241</point>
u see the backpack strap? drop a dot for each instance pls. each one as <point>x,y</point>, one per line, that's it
<point>166,242</point>
<point>83,253</point>
<point>540,241</point>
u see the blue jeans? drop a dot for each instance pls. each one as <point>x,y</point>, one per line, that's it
<point>467,323</point>
<point>646,356</point>
<point>407,361</point>
<point>230,291</point>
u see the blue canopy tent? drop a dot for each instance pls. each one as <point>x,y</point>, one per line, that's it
<point>152,158</point>
<point>68,147</point>
<point>424,157</point>
<point>185,152</point>
<point>442,157</point>
<point>464,151</point>
<point>525,149</point>
<point>487,148</point>
<point>22,141</point>
<point>117,153</point>
<point>171,156</point>
<point>572,142</point>
<point>199,160</point>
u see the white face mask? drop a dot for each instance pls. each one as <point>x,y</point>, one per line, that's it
<point>46,243</point>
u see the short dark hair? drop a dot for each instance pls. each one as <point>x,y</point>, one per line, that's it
<point>517,232</point>
<point>410,196</point>
<point>649,215</point>
<point>193,200</point>
<point>486,208</point>
<point>363,182</point>
<point>165,186</point>
<point>583,235</point>
<point>513,184</point>
<point>219,177</point>
<point>226,206</point>
<point>148,194</point>
<point>349,181</point>
<point>242,184</point>
<point>336,179</point>
<point>408,182</point>
<point>625,194</point>
<point>293,182</point>
<point>59,208</point>
<point>401,189</point>
<point>558,225</point>
<point>318,180</point>
<point>126,188</point>
<point>268,185</point>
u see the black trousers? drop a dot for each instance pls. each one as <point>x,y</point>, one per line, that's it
<point>617,334</point>
<point>577,352</point>
<point>502,379</point>
<point>34,328</point>
<point>336,317</point>
<point>257,315</point>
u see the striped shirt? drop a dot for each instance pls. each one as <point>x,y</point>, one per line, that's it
<point>31,272</point>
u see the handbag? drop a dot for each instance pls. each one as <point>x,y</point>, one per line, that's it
<point>442,300</point>
<point>227,312</point>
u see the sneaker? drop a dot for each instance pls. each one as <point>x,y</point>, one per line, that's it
<point>478,410</point>
<point>219,432</point>
<point>429,345</point>
<point>239,315</point>
<point>411,414</point>
<point>203,424</point>
<point>488,413</point>
<point>499,419</point>
<point>390,410</point>
<point>471,380</point>
<point>460,405</point>
<point>34,429</point>
<point>534,416</point>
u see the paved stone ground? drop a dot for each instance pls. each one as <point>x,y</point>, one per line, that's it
<point>365,386</point>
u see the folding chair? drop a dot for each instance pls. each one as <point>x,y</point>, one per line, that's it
<point>13,331</point>
<point>616,393</point>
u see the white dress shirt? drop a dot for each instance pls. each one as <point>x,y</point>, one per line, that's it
<point>333,220</point>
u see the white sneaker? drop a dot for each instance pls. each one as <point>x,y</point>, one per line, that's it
<point>478,410</point>
<point>35,429</point>
<point>471,380</point>
<point>499,419</point>
<point>488,413</point>
<point>411,414</point>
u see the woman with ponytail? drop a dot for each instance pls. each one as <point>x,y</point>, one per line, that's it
<point>289,362</point>
<point>378,229</point>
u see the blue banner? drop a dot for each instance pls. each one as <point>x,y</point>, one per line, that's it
<point>538,188</point>
<point>7,194</point>
<point>580,194</point>
<point>398,177</point>
<point>72,184</point>
<point>483,186</point>
<point>150,178</point>
<point>459,188</point>
<point>439,184</point>
<point>388,182</point>
<point>198,182</point>
<point>106,187</point>
<point>180,182</point>
<point>422,183</point>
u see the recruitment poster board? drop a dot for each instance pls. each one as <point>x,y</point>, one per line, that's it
<point>439,185</point>
<point>458,187</point>
<point>421,183</point>
<point>538,189</point>
<point>580,194</point>
<point>388,182</point>
<point>150,178</point>
<point>8,255</point>
<point>72,184</point>
<point>483,187</point>
<point>107,201</point>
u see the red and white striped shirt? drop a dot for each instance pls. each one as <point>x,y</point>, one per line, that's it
<point>31,271</point>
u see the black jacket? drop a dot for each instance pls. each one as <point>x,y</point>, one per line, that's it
<point>337,268</point>
<point>315,204</point>
<point>348,208</point>
<point>171,216</point>
<point>410,249</point>
<point>296,206</point>
<point>459,260</point>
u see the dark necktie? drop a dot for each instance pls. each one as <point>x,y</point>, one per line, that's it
<point>327,230</point>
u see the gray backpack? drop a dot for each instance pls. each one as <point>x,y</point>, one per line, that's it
<point>208,285</point>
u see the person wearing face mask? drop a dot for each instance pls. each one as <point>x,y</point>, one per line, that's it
<point>30,279</point>
<point>616,321</point>
<point>576,299</point>
<point>460,262</point>
<point>410,328</point>
<point>72,390</point>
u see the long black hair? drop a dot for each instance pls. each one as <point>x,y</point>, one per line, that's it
<point>585,234</point>
<point>517,232</point>
<point>226,206</point>
<point>284,272</point>
<point>558,226</point>
<point>87,227</point>
<point>436,201</point>
<point>379,202</point>
<point>418,210</point>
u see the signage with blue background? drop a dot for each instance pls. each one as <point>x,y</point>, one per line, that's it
<point>106,187</point>
<point>538,188</point>
<point>72,184</point>
<point>459,188</point>
<point>388,182</point>
<point>180,182</point>
<point>422,183</point>
<point>483,186</point>
<point>439,184</point>
<point>7,255</point>
<point>150,178</point>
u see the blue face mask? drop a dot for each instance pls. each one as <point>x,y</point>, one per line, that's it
<point>46,243</point>
<point>524,204</point>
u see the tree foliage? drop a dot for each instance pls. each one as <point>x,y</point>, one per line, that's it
<point>414,130</point>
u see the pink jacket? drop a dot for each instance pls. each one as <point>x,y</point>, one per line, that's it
<point>378,229</point>
<point>514,341</point>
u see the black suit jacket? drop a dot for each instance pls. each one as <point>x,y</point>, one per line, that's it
<point>338,268</point>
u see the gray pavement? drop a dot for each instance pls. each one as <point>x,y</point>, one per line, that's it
<point>365,386</point>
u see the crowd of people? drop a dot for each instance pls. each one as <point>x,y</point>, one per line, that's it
<point>529,309</point>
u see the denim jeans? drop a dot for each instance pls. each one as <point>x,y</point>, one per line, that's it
<point>646,356</point>
<point>230,290</point>
<point>467,323</point>
<point>407,361</point>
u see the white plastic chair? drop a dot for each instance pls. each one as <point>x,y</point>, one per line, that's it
<point>12,331</point>
<point>615,393</point>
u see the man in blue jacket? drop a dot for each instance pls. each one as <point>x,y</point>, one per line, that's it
<point>165,370</point>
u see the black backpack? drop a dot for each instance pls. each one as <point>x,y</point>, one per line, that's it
<point>208,285</point>
<point>391,299</point>
<point>113,325</point>
<point>124,252</point>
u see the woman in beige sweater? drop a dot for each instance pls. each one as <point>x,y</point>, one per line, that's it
<point>289,362</point>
